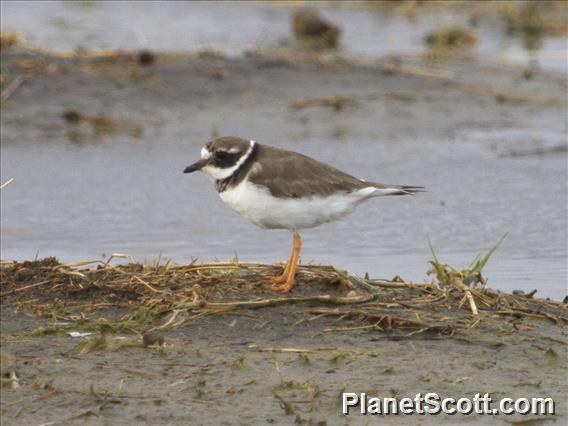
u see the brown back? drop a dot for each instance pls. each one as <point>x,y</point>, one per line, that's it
<point>291,175</point>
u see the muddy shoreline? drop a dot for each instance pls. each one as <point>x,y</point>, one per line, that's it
<point>235,353</point>
<point>214,372</point>
<point>277,84</point>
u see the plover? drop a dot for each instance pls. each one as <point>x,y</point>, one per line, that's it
<point>279,189</point>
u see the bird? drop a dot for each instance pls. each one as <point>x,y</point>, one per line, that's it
<point>279,189</point>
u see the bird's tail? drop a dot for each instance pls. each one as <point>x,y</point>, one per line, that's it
<point>396,189</point>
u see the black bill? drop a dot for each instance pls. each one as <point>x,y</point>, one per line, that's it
<point>198,165</point>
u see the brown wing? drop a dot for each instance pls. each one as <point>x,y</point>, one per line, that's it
<point>291,175</point>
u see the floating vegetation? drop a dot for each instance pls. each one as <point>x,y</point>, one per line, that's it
<point>450,40</point>
<point>545,17</point>
<point>411,9</point>
<point>83,126</point>
<point>532,20</point>
<point>313,31</point>
<point>452,37</point>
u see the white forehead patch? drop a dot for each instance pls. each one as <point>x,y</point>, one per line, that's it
<point>217,173</point>
<point>205,154</point>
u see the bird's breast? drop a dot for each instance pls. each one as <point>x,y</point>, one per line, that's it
<point>257,204</point>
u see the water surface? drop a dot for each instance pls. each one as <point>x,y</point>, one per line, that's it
<point>234,26</point>
<point>83,201</point>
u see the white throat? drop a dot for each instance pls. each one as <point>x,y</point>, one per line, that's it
<point>216,173</point>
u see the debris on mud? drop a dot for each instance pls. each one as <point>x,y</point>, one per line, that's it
<point>152,338</point>
<point>8,377</point>
<point>161,296</point>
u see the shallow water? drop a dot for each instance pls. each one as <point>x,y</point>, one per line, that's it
<point>83,201</point>
<point>236,26</point>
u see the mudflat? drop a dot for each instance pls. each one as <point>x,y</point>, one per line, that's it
<point>208,344</point>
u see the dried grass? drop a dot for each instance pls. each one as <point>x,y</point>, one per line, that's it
<point>161,296</point>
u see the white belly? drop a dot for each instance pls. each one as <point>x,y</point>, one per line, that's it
<point>257,205</point>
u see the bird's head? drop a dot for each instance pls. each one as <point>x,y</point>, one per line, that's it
<point>221,157</point>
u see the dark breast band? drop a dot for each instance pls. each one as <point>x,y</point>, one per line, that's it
<point>239,174</point>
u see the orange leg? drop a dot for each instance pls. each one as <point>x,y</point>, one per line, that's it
<point>285,282</point>
<point>281,279</point>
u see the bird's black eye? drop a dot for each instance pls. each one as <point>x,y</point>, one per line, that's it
<point>219,155</point>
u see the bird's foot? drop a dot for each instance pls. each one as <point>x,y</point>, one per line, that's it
<point>274,281</point>
<point>281,283</point>
<point>280,286</point>
<point>285,282</point>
